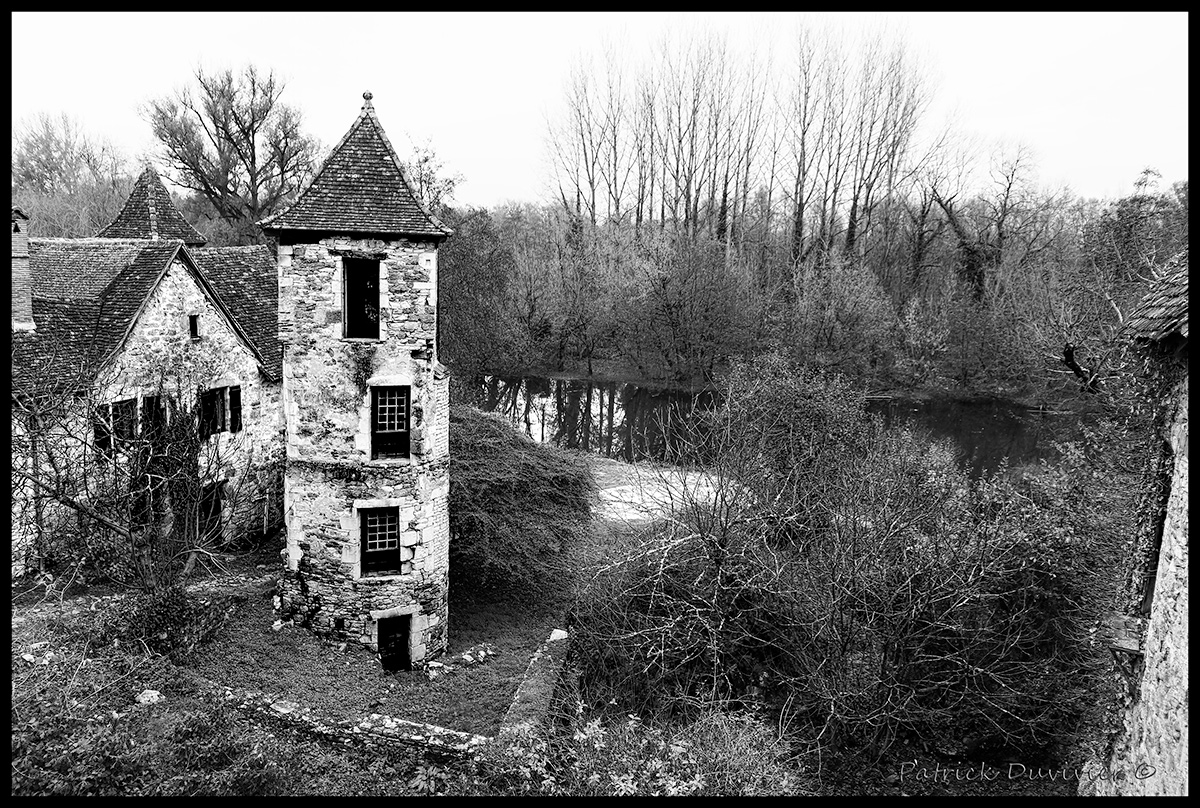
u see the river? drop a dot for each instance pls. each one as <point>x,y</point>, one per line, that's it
<point>634,422</point>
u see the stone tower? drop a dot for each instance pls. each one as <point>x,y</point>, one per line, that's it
<point>366,404</point>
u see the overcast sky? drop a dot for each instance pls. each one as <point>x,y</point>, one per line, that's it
<point>1096,96</point>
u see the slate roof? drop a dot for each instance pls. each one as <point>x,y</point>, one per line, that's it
<point>361,188</point>
<point>245,279</point>
<point>149,213</point>
<point>87,294</point>
<point>1164,309</point>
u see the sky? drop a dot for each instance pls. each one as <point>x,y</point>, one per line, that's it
<point>1096,97</point>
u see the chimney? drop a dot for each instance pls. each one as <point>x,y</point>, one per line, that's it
<point>22,291</point>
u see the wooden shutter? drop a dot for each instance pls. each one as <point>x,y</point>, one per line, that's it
<point>235,409</point>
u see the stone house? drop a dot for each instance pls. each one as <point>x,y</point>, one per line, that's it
<point>113,334</point>
<point>314,369</point>
<point>366,402</point>
<point>1149,756</point>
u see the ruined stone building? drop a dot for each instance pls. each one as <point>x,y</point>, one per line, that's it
<point>1150,753</point>
<point>367,469</point>
<point>113,334</point>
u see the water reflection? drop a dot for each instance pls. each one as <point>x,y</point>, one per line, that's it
<point>635,422</point>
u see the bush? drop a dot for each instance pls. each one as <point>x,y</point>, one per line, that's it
<point>853,575</point>
<point>515,504</point>
<point>717,755</point>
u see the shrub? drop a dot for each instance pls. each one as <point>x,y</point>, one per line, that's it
<point>717,755</point>
<point>852,574</point>
<point>515,504</point>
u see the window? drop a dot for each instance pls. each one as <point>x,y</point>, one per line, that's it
<point>102,432</point>
<point>210,513</point>
<point>124,419</point>
<point>114,424</point>
<point>145,493</point>
<point>212,412</point>
<point>220,411</point>
<point>194,326</point>
<point>381,540</point>
<point>389,422</point>
<point>360,298</point>
<point>154,417</point>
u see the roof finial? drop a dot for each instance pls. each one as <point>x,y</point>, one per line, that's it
<point>367,96</point>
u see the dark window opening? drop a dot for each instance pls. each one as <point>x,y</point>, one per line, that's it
<point>102,432</point>
<point>380,540</point>
<point>212,412</point>
<point>124,419</point>
<point>360,299</point>
<point>154,417</point>
<point>390,419</point>
<point>194,325</point>
<point>393,643</point>
<point>144,499</point>
<point>210,513</point>
<point>220,410</point>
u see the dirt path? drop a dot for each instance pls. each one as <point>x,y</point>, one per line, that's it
<point>636,493</point>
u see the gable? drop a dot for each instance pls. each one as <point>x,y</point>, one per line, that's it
<point>88,295</point>
<point>159,345</point>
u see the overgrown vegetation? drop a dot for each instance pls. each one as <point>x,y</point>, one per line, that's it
<point>515,505</point>
<point>715,755</point>
<point>853,577</point>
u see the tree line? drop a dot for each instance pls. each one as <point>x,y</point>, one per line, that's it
<point>707,205</point>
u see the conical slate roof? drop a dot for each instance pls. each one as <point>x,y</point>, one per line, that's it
<point>149,213</point>
<point>361,188</point>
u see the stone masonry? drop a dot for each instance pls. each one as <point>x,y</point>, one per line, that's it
<point>1150,755</point>
<point>330,475</point>
<point>159,350</point>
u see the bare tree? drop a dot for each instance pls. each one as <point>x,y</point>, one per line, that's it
<point>69,182</point>
<point>233,140</point>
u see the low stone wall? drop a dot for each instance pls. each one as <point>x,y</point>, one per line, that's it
<point>374,727</point>
<point>531,705</point>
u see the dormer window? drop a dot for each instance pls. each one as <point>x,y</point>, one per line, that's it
<point>194,326</point>
<point>360,298</point>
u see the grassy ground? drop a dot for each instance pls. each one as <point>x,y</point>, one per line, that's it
<point>344,681</point>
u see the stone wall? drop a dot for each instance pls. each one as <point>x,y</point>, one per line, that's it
<point>1150,756</point>
<point>330,476</point>
<point>530,709</point>
<point>160,350</point>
